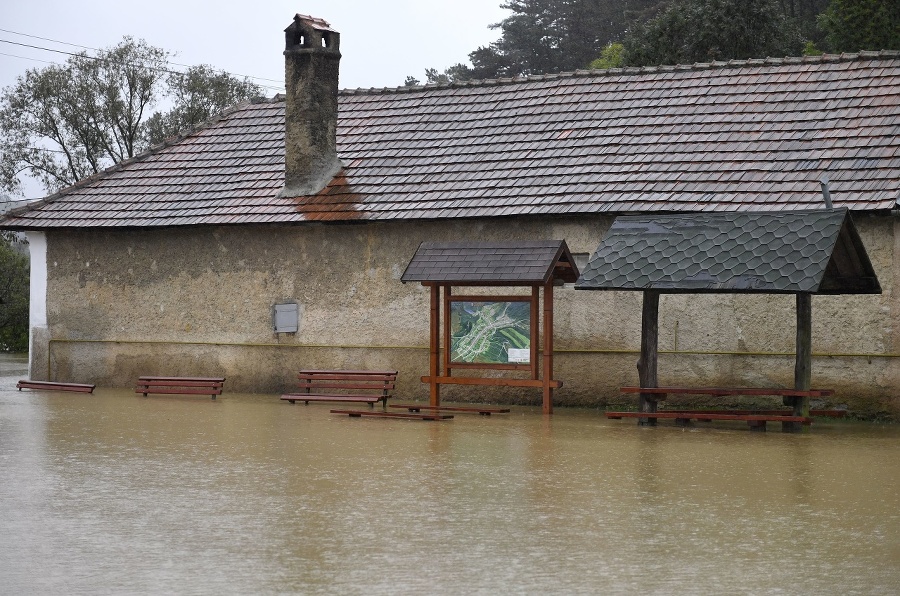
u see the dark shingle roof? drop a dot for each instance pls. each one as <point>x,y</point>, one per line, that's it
<point>784,252</point>
<point>492,263</point>
<point>748,135</point>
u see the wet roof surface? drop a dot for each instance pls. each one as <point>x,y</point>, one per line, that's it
<point>491,263</point>
<point>749,135</point>
<point>801,251</point>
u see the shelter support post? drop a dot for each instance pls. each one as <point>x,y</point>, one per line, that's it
<point>647,365</point>
<point>434,367</point>
<point>803,363</point>
<point>548,349</point>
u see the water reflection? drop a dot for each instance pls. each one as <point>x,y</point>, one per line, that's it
<point>115,493</point>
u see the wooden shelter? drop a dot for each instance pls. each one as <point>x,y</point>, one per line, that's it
<point>492,331</point>
<point>795,252</point>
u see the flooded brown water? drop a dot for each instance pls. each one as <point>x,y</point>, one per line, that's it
<point>113,493</point>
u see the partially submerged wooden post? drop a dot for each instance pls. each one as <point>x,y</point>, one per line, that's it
<point>434,367</point>
<point>648,363</point>
<point>803,360</point>
<point>538,265</point>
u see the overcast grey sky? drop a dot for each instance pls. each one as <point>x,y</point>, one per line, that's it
<point>381,41</point>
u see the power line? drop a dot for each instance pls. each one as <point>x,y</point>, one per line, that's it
<point>26,58</point>
<point>81,54</point>
<point>75,45</point>
<point>65,43</point>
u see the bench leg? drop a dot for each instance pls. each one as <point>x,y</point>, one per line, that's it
<point>682,422</point>
<point>791,427</point>
<point>757,425</point>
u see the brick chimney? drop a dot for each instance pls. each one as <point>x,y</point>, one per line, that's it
<point>311,58</point>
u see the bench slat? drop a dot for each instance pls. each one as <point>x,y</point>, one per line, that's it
<point>183,390</point>
<point>183,379</point>
<point>722,391</point>
<point>382,414</point>
<point>355,377</point>
<point>823,413</point>
<point>354,385</point>
<point>346,374</point>
<point>705,416</point>
<point>307,397</point>
<point>474,409</point>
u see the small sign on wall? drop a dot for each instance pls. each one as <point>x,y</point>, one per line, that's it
<point>286,317</point>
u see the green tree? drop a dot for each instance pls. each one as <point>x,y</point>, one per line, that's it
<point>547,36</point>
<point>692,31</point>
<point>14,289</point>
<point>65,122</point>
<point>198,94</point>
<point>804,13</point>
<point>612,56</point>
<point>457,72</point>
<point>854,25</point>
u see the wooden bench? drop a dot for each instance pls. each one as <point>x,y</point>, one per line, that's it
<point>723,391</point>
<point>482,410</point>
<point>377,414</point>
<point>54,386</point>
<point>360,386</point>
<point>211,386</point>
<point>813,413</point>
<point>755,421</point>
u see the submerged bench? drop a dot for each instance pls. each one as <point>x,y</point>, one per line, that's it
<point>359,386</point>
<point>211,386</point>
<point>384,414</point>
<point>754,420</point>
<point>723,391</point>
<point>814,413</point>
<point>482,410</point>
<point>757,419</point>
<point>55,386</point>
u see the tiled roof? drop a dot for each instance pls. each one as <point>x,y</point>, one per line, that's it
<point>799,251</point>
<point>533,262</point>
<point>748,135</point>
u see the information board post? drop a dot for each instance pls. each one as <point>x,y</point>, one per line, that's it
<point>548,349</point>
<point>434,356</point>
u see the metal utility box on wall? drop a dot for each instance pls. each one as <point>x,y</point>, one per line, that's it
<point>286,317</point>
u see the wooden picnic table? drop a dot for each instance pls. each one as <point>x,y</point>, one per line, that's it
<point>756,419</point>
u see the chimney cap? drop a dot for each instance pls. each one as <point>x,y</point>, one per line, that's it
<point>314,22</point>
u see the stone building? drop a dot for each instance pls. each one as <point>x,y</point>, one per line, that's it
<point>177,261</point>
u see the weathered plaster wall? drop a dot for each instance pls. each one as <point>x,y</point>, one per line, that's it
<point>126,303</point>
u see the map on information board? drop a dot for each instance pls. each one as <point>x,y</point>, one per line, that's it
<point>490,332</point>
